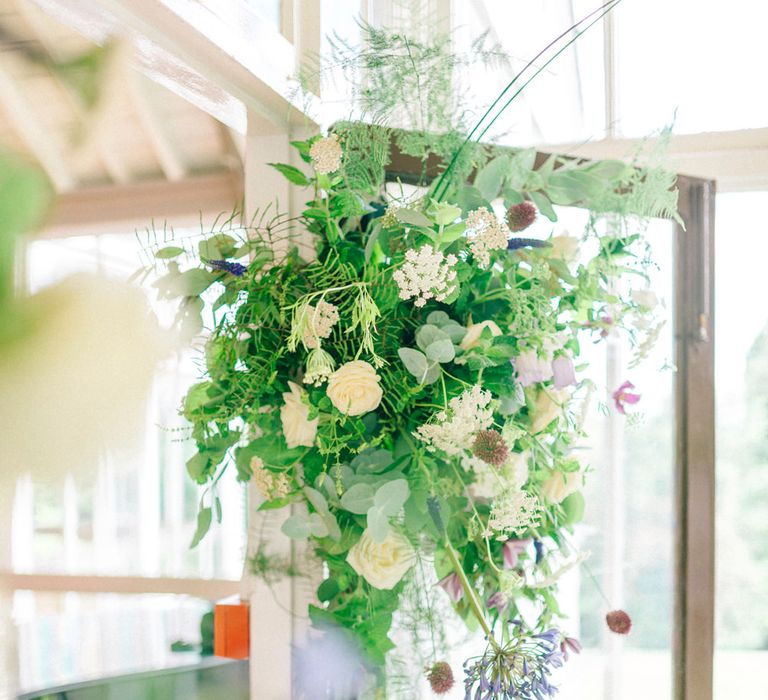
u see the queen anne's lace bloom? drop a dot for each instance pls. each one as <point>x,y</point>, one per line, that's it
<point>486,233</point>
<point>426,274</point>
<point>453,431</point>
<point>513,512</point>
<point>320,321</point>
<point>326,155</point>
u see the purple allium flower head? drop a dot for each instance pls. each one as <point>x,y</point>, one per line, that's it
<point>233,268</point>
<point>512,550</point>
<point>563,372</point>
<point>623,396</point>
<point>451,584</point>
<point>618,621</point>
<point>521,216</point>
<point>489,446</point>
<point>440,677</point>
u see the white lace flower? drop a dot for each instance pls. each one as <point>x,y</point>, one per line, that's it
<point>485,233</point>
<point>426,274</point>
<point>514,512</point>
<point>319,323</point>
<point>320,365</point>
<point>326,155</point>
<point>453,431</point>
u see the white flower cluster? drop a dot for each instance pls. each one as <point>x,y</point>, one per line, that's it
<point>319,323</point>
<point>514,512</point>
<point>326,155</point>
<point>426,274</point>
<point>320,365</point>
<point>269,484</point>
<point>454,430</point>
<point>486,233</point>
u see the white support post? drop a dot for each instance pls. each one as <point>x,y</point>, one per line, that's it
<point>270,605</point>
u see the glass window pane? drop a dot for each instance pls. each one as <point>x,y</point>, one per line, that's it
<point>566,101</point>
<point>692,58</point>
<point>741,381</point>
<point>135,512</point>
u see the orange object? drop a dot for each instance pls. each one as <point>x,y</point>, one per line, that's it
<point>231,628</point>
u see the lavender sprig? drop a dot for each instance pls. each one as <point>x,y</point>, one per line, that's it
<point>233,268</point>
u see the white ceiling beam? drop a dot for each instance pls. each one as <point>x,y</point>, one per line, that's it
<point>738,160</point>
<point>126,207</point>
<point>24,119</point>
<point>98,140</point>
<point>231,67</point>
<point>156,129</point>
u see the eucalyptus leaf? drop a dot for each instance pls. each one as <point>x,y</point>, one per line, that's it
<point>415,362</point>
<point>391,496</point>
<point>439,318</point>
<point>441,350</point>
<point>377,524</point>
<point>358,499</point>
<point>429,334</point>
<point>433,373</point>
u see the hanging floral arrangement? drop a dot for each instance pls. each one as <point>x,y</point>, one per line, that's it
<point>412,389</point>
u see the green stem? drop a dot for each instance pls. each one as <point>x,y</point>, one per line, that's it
<point>474,604</point>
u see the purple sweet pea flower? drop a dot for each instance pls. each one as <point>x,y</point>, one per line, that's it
<point>570,644</point>
<point>498,601</point>
<point>531,368</point>
<point>512,550</point>
<point>451,584</point>
<point>563,372</point>
<point>623,396</point>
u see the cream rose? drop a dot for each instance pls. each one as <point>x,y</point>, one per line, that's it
<point>382,565</point>
<point>565,247</point>
<point>559,486</point>
<point>472,336</point>
<point>645,297</point>
<point>547,406</point>
<point>294,415</point>
<point>354,388</point>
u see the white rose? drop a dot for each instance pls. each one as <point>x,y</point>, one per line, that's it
<point>475,330</point>
<point>547,406</point>
<point>382,565</point>
<point>294,415</point>
<point>645,297</point>
<point>354,388</point>
<point>565,247</point>
<point>559,486</point>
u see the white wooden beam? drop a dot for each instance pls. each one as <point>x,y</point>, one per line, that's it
<point>166,151</point>
<point>124,207</point>
<point>207,589</point>
<point>225,67</point>
<point>738,160</point>
<point>24,119</point>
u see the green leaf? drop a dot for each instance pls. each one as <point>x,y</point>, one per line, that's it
<point>391,496</point>
<point>520,168</point>
<point>372,461</point>
<point>192,283</point>
<point>216,247</point>
<point>415,362</point>
<point>171,251</point>
<point>378,524</point>
<point>373,237</point>
<point>197,466</point>
<point>297,527</point>
<point>291,173</point>
<point>490,178</point>
<point>327,590</point>
<point>469,198</point>
<point>358,499</point>
<point>543,205</point>
<point>441,350</point>
<point>439,318</point>
<point>428,334</point>
<point>571,186</point>
<point>454,331</point>
<point>204,518</point>
<point>512,197</point>
<point>411,217</point>
<point>443,214</point>
<point>609,171</point>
